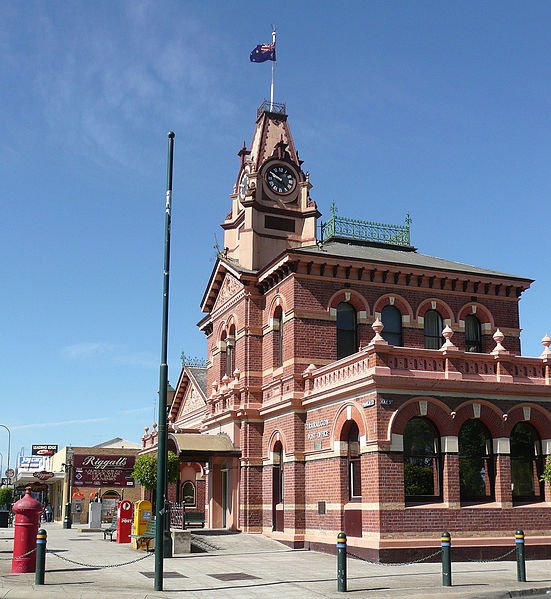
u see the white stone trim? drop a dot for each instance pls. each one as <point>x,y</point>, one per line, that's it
<point>526,412</point>
<point>476,410</point>
<point>449,444</point>
<point>546,446</point>
<point>397,442</point>
<point>502,445</point>
<point>423,407</point>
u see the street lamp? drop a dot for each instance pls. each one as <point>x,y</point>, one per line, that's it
<point>1,463</point>
<point>68,467</point>
<point>9,444</point>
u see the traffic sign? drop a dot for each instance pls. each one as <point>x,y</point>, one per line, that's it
<point>9,472</point>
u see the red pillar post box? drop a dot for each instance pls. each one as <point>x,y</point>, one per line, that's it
<point>124,521</point>
<point>27,519</point>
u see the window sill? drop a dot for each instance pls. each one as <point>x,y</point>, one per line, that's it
<point>534,504</point>
<point>481,505</point>
<point>417,505</point>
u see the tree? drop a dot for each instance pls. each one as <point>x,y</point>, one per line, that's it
<point>6,496</point>
<point>145,470</point>
<point>546,476</point>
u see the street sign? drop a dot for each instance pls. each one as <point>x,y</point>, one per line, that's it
<point>43,475</point>
<point>9,472</point>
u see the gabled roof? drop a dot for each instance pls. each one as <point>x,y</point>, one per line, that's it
<point>223,265</point>
<point>118,443</point>
<point>376,253</point>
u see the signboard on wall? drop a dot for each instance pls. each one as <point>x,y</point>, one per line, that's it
<point>103,471</point>
<point>33,463</point>
<point>45,450</point>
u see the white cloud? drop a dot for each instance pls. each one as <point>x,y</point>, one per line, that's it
<point>116,354</point>
<point>59,423</point>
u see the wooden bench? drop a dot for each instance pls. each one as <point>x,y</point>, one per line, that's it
<point>147,536</point>
<point>194,518</point>
<point>111,530</point>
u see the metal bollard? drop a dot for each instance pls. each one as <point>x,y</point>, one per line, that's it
<point>41,538</point>
<point>521,561</point>
<point>446,559</point>
<point>341,562</point>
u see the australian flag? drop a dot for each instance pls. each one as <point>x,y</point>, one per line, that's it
<point>263,52</point>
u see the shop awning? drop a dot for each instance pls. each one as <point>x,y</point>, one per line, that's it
<point>194,446</point>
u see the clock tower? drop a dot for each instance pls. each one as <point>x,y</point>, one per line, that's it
<point>271,206</point>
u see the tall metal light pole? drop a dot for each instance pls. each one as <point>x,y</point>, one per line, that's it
<point>9,444</point>
<point>68,466</point>
<point>162,459</point>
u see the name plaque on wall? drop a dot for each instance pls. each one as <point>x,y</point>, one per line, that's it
<point>317,434</point>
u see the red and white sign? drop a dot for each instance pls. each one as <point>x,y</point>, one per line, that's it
<point>9,472</point>
<point>43,475</point>
<point>124,521</point>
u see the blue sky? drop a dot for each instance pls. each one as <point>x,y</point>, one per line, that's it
<point>441,109</point>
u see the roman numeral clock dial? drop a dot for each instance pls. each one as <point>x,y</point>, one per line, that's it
<point>281,179</point>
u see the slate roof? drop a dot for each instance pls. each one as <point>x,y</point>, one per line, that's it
<point>362,251</point>
<point>200,376</point>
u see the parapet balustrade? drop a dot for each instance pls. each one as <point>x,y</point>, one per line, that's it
<point>448,362</point>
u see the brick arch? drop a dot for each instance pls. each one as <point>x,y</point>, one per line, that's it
<point>277,436</point>
<point>542,423</point>
<point>399,302</point>
<point>482,313</point>
<point>357,300</point>
<point>277,301</point>
<point>232,321</point>
<point>341,418</point>
<point>441,306</point>
<point>490,415</point>
<point>437,412</point>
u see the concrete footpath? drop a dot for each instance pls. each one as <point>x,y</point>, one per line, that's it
<point>246,566</point>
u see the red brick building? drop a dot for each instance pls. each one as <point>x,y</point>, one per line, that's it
<point>353,383</point>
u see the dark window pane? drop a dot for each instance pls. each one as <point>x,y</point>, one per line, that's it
<point>347,337</point>
<point>354,462</point>
<point>433,330</point>
<point>188,493</point>
<point>422,463</point>
<point>391,318</point>
<point>526,463</point>
<point>473,334</point>
<point>476,464</point>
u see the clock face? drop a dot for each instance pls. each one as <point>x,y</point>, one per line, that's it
<point>281,179</point>
<point>243,184</point>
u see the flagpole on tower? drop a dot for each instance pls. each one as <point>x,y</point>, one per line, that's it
<point>273,70</point>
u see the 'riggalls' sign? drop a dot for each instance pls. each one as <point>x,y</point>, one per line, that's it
<point>103,471</point>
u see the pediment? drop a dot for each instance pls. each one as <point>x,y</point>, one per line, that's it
<point>229,289</point>
<point>192,402</point>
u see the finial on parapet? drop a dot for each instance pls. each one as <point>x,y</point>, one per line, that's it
<point>498,338</point>
<point>377,327</point>
<point>546,342</point>
<point>447,333</point>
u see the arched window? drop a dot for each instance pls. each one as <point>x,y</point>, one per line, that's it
<point>526,463</point>
<point>422,461</point>
<point>476,463</point>
<point>391,318</point>
<point>433,330</point>
<point>351,436</point>
<point>347,334</point>
<point>278,337</point>
<point>277,473</point>
<point>188,494</point>
<point>230,347</point>
<point>473,334</point>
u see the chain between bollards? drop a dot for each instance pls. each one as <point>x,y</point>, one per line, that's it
<point>446,559</point>
<point>41,538</point>
<point>521,560</point>
<point>341,562</point>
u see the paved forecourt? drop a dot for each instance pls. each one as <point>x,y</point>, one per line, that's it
<point>244,566</point>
